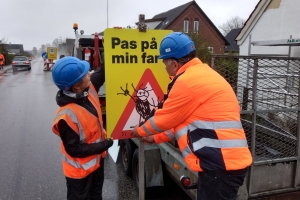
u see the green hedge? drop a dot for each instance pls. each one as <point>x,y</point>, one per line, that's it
<point>10,58</point>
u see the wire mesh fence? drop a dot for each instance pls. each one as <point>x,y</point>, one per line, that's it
<point>267,89</point>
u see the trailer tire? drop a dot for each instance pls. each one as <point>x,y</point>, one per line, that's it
<point>127,153</point>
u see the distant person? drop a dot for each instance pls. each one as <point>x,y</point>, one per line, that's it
<point>2,60</point>
<point>203,113</point>
<point>79,124</point>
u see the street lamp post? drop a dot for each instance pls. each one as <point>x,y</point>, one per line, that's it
<point>107,13</point>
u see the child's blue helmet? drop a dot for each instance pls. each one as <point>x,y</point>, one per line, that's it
<point>68,71</point>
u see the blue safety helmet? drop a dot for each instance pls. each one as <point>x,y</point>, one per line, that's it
<point>176,45</point>
<point>68,71</point>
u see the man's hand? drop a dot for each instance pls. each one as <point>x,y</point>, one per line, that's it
<point>148,140</point>
<point>134,131</point>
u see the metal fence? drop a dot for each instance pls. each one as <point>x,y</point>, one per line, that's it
<point>268,91</point>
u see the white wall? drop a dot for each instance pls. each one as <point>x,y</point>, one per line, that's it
<point>152,25</point>
<point>275,24</point>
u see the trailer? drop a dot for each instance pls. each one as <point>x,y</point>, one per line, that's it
<point>267,88</point>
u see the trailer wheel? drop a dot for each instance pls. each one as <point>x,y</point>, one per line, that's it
<point>127,151</point>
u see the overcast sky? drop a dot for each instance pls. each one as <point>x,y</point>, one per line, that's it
<point>36,22</point>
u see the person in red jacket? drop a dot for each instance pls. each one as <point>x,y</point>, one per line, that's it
<point>2,61</point>
<point>201,111</point>
<point>79,124</point>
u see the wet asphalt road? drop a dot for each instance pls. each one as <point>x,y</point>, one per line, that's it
<point>30,167</point>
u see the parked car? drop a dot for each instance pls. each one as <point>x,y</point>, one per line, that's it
<point>21,62</point>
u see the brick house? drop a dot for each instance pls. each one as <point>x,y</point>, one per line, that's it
<point>190,17</point>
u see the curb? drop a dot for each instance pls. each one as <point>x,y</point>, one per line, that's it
<point>5,69</point>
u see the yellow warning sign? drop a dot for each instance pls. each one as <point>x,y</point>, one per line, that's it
<point>52,53</point>
<point>135,78</point>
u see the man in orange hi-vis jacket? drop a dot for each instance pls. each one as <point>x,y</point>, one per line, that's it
<point>201,111</point>
<point>2,61</point>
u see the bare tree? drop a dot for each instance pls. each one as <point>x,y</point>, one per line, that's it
<point>232,23</point>
<point>3,41</point>
<point>55,42</point>
<point>58,41</point>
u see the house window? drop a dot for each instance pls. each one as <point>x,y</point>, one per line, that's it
<point>186,26</point>
<point>196,26</point>
<point>211,49</point>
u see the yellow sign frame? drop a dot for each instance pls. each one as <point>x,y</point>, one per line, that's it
<point>129,56</point>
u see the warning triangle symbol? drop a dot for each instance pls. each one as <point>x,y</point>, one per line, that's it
<point>135,109</point>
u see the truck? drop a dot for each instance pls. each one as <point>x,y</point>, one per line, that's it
<point>272,134</point>
<point>90,48</point>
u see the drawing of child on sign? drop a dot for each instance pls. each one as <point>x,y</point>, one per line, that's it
<point>144,98</point>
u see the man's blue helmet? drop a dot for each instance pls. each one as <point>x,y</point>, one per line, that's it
<point>68,71</point>
<point>176,45</point>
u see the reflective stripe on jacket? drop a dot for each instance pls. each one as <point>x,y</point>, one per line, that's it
<point>202,103</point>
<point>90,130</point>
<point>164,137</point>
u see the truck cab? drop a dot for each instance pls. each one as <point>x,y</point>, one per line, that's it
<point>90,48</point>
